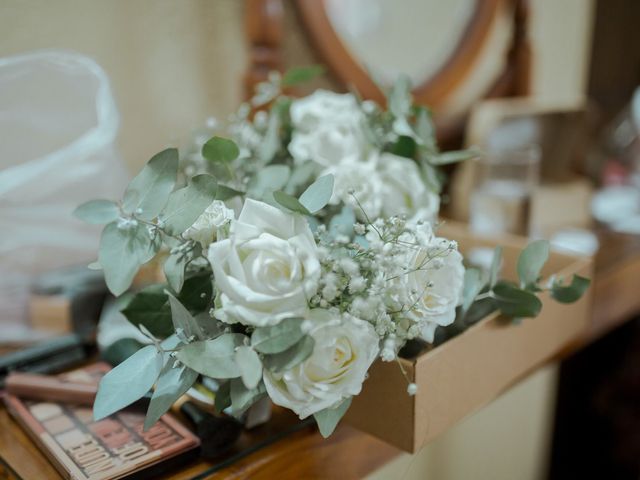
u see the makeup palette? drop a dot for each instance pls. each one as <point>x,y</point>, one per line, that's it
<point>112,448</point>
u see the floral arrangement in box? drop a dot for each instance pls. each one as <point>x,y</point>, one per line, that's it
<point>298,248</point>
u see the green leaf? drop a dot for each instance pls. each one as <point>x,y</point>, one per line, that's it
<point>122,250</point>
<point>318,194</point>
<point>182,319</point>
<point>197,291</point>
<point>425,130</point>
<point>250,366</point>
<point>514,302</point>
<point>290,203</point>
<point>271,141</point>
<point>149,190</point>
<point>447,158</point>
<point>496,263</point>
<point>571,292</point>
<point>242,397</point>
<point>220,150</point>
<point>343,222</point>
<point>405,146</point>
<point>328,418</point>
<point>531,261</point>
<point>213,358</point>
<point>97,212</point>
<point>149,307</point>
<point>471,288</point>
<point>301,175</point>
<point>479,310</point>
<point>291,357</point>
<point>172,384</point>
<point>267,180</point>
<point>399,98</point>
<point>187,204</point>
<point>127,382</point>
<point>277,338</point>
<point>173,269</point>
<point>297,75</point>
<point>225,193</point>
<point>222,398</point>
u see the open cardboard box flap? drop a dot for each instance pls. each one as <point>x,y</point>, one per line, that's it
<point>467,372</point>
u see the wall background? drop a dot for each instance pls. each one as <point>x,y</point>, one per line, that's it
<point>173,64</point>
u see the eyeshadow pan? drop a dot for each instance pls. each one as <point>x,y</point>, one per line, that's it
<point>71,438</point>
<point>45,411</point>
<point>58,424</point>
<point>85,415</point>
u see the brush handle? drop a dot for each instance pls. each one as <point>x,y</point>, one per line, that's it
<point>49,388</point>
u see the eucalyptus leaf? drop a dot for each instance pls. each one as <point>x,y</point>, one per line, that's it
<point>572,292</point>
<point>328,418</point>
<point>127,382</point>
<point>291,357</point>
<point>123,248</point>
<point>250,366</point>
<point>496,263</point>
<point>300,176</point>
<point>171,385</point>
<point>425,130</point>
<point>213,358</point>
<point>267,180</point>
<point>290,203</point>
<point>222,399</point>
<point>514,302</point>
<point>242,397</point>
<point>149,307</point>
<point>277,338</point>
<point>471,288</point>
<point>404,146</point>
<point>197,291</point>
<point>447,158</point>
<point>271,141</point>
<point>187,204</point>
<point>399,98</point>
<point>297,75</point>
<point>531,261</point>
<point>97,212</point>
<point>343,222</point>
<point>173,268</point>
<point>147,193</point>
<point>317,196</point>
<point>182,319</point>
<point>225,193</point>
<point>220,150</point>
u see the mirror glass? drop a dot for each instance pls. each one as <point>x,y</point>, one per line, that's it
<point>388,37</point>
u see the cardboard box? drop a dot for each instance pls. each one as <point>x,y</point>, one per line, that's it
<point>462,375</point>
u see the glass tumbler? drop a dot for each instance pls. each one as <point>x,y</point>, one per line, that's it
<point>501,199</point>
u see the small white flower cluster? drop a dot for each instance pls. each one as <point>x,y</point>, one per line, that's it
<point>399,277</point>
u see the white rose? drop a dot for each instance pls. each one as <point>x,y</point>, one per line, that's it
<point>435,284</point>
<point>362,181</point>
<point>345,347</point>
<point>267,268</point>
<point>403,190</point>
<point>327,128</point>
<point>310,112</point>
<point>205,228</point>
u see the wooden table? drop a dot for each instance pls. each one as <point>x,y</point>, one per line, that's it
<point>348,453</point>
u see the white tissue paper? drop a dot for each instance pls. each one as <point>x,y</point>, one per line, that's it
<point>58,126</point>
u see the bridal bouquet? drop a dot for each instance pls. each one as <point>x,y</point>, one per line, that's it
<point>298,248</point>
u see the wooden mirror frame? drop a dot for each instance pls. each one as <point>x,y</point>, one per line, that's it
<point>265,26</point>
